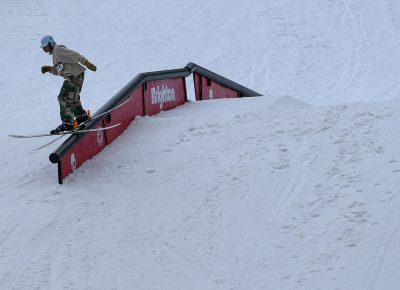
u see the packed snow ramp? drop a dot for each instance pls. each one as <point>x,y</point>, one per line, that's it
<point>145,95</point>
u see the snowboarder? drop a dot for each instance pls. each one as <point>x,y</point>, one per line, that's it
<point>70,65</point>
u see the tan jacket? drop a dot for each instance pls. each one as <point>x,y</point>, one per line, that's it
<point>66,62</point>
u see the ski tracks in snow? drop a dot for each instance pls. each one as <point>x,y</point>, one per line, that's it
<point>288,206</point>
<point>334,213</point>
<point>385,263</point>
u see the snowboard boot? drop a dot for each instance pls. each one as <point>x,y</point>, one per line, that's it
<point>62,128</point>
<point>80,121</point>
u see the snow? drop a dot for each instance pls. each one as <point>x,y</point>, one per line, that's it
<point>299,189</point>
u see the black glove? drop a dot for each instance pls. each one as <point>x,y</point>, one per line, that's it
<point>46,69</point>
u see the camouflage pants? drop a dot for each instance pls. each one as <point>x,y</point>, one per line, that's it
<point>70,100</point>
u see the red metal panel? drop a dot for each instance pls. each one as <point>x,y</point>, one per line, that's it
<point>88,147</point>
<point>164,95</point>
<point>197,86</point>
<point>147,99</point>
<point>212,90</point>
<point>94,142</point>
<point>125,114</point>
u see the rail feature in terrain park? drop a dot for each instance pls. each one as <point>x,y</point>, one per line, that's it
<point>147,94</point>
<point>209,85</point>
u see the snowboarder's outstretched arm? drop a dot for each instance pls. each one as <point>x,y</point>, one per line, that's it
<point>66,62</point>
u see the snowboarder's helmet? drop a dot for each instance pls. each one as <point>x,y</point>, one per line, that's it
<point>46,40</point>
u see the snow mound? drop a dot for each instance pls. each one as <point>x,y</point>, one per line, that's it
<point>287,103</point>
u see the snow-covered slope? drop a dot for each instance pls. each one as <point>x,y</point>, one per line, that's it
<point>299,189</point>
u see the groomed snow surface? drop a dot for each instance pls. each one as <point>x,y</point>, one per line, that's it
<point>298,189</point>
